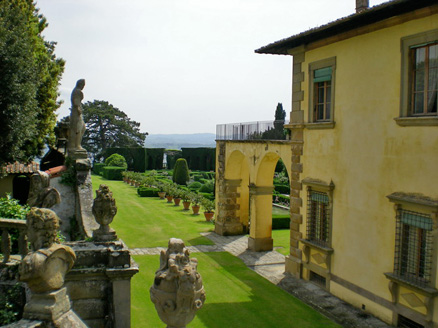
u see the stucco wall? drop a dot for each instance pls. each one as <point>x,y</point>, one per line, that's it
<point>368,156</point>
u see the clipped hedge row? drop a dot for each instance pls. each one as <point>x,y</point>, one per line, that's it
<point>136,157</point>
<point>282,189</point>
<point>98,167</point>
<point>280,221</point>
<point>207,195</point>
<point>147,192</point>
<point>113,172</point>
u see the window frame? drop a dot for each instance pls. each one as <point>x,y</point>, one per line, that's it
<point>406,117</point>
<point>326,123</point>
<point>320,187</point>
<point>426,207</point>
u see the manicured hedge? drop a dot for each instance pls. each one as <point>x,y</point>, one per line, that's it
<point>201,158</point>
<point>280,221</point>
<point>148,192</point>
<point>113,172</point>
<point>136,157</point>
<point>282,189</point>
<point>97,167</point>
<point>181,172</point>
<point>155,158</point>
<point>172,156</point>
<point>209,196</point>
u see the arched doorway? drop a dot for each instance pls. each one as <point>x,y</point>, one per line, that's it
<point>20,188</point>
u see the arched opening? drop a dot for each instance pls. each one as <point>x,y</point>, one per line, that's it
<point>261,201</point>
<point>20,188</point>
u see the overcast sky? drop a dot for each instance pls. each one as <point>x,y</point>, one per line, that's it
<point>182,66</point>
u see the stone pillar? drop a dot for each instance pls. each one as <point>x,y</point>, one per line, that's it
<point>260,218</point>
<point>294,259</point>
<point>227,219</point>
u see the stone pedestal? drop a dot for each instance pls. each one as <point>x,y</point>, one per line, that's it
<point>103,235</point>
<point>99,283</point>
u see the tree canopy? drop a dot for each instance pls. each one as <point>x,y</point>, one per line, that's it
<point>107,126</point>
<point>29,80</point>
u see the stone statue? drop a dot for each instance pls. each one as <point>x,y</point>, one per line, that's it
<point>77,125</point>
<point>104,210</point>
<point>40,192</point>
<point>177,291</point>
<point>44,271</point>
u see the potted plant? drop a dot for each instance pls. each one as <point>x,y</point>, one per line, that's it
<point>161,188</point>
<point>208,206</point>
<point>196,203</point>
<point>177,196</point>
<point>186,198</point>
<point>169,193</point>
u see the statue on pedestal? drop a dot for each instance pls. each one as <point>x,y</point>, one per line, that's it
<point>177,291</point>
<point>44,270</point>
<point>77,124</point>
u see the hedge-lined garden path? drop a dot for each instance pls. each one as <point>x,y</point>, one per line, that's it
<point>236,295</point>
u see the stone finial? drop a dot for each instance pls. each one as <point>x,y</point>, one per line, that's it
<point>104,210</point>
<point>40,192</point>
<point>177,291</point>
<point>44,271</point>
<point>362,5</point>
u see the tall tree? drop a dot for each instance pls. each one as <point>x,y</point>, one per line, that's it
<point>107,126</point>
<point>29,80</point>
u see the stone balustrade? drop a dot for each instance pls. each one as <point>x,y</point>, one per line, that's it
<point>6,226</point>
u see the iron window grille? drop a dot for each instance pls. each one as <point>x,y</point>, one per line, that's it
<point>413,248</point>
<point>318,217</point>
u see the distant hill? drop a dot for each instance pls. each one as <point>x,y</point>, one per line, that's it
<point>178,141</point>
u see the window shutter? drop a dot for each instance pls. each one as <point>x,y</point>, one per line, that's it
<point>322,74</point>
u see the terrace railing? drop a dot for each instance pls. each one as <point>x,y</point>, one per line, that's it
<point>245,131</point>
<point>6,227</point>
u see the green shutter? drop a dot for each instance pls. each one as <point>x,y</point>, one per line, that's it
<point>418,221</point>
<point>322,74</point>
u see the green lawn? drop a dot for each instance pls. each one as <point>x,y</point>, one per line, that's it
<point>151,222</point>
<point>236,297</point>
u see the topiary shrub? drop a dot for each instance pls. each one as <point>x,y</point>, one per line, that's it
<point>147,192</point>
<point>195,185</point>
<point>181,172</point>
<point>116,160</point>
<point>113,172</point>
<point>282,189</point>
<point>97,167</point>
<point>207,187</point>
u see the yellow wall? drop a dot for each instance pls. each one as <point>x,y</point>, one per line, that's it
<point>367,155</point>
<point>6,185</point>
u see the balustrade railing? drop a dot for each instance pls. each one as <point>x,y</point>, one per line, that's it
<point>6,246</point>
<point>247,130</point>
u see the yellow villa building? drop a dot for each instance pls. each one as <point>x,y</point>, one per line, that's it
<point>362,160</point>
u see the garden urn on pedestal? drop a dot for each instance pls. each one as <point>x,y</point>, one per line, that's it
<point>104,210</point>
<point>177,291</point>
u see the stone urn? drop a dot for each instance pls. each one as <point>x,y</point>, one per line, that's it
<point>161,194</point>
<point>104,209</point>
<point>177,292</point>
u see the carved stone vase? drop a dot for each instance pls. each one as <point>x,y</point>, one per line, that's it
<point>104,210</point>
<point>177,291</point>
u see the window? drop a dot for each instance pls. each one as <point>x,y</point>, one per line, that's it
<point>318,217</point>
<point>413,251</point>
<point>419,80</point>
<point>424,81</point>
<point>321,93</point>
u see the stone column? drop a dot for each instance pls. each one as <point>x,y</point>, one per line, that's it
<point>227,219</point>
<point>294,259</point>
<point>260,218</point>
